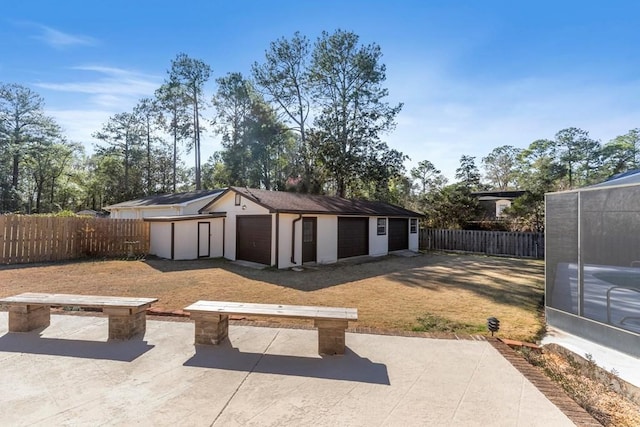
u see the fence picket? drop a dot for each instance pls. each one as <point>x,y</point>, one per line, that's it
<point>523,245</point>
<point>28,239</point>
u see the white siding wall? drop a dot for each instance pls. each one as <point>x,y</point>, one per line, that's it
<point>160,239</point>
<point>286,226</point>
<point>378,245</point>
<point>139,213</point>
<point>185,239</point>
<point>327,239</point>
<point>217,230</point>
<point>190,208</point>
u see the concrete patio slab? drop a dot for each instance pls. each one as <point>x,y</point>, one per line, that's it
<point>68,374</point>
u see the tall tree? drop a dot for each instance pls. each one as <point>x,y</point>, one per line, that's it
<point>284,80</point>
<point>256,144</point>
<point>233,102</point>
<point>192,74</point>
<point>46,160</point>
<point>123,134</point>
<point>150,116</point>
<point>428,177</point>
<point>347,83</point>
<point>500,167</point>
<point>172,99</point>
<point>620,154</point>
<point>539,171</point>
<point>468,173</point>
<point>22,122</point>
<point>579,153</point>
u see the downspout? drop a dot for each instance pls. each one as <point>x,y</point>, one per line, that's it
<point>223,234</point>
<point>277,239</point>
<point>293,238</point>
<point>173,239</point>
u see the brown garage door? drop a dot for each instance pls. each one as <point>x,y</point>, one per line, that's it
<point>398,234</point>
<point>253,238</point>
<point>353,237</point>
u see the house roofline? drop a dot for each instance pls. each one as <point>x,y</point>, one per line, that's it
<point>174,218</point>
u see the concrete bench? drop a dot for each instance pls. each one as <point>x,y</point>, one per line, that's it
<point>212,321</point>
<point>127,316</point>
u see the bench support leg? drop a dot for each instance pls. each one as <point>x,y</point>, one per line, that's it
<point>331,335</point>
<point>25,318</point>
<point>211,329</point>
<point>126,323</point>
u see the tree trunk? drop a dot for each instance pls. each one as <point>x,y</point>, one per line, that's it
<point>175,156</point>
<point>16,171</point>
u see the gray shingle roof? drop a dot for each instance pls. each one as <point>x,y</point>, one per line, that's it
<point>167,199</point>
<point>286,202</point>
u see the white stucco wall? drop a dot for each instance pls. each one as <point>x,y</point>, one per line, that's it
<point>378,245</point>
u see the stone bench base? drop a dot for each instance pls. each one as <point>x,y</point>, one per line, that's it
<point>213,328</point>
<point>124,323</point>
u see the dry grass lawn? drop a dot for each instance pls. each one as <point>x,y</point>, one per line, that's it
<point>389,293</point>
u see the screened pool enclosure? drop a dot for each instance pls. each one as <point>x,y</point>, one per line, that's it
<point>593,262</point>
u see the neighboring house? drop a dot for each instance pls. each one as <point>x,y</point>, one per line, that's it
<point>592,262</point>
<point>495,202</point>
<point>285,229</point>
<point>188,203</point>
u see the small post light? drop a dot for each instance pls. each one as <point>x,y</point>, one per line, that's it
<point>493,325</point>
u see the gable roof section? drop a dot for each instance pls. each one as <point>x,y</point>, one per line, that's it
<point>286,202</point>
<point>167,199</point>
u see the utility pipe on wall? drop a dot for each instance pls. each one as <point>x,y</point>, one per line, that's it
<point>293,239</point>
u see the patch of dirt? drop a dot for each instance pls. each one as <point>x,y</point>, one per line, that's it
<point>607,398</point>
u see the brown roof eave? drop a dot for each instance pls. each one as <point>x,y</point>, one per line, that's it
<point>391,215</point>
<point>175,218</point>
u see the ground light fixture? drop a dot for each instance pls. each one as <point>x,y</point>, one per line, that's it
<point>493,325</point>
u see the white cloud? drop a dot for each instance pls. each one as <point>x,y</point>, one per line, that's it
<point>113,81</point>
<point>87,104</point>
<point>59,40</point>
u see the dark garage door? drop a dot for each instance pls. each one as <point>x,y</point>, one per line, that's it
<point>253,238</point>
<point>353,237</point>
<point>398,234</point>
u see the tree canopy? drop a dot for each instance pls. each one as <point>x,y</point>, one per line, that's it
<point>311,116</point>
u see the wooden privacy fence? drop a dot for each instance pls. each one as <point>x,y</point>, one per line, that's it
<point>27,239</point>
<point>505,243</point>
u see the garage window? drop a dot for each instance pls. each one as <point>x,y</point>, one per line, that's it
<point>382,226</point>
<point>414,226</point>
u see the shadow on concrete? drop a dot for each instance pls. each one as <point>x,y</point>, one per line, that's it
<point>349,367</point>
<point>121,351</point>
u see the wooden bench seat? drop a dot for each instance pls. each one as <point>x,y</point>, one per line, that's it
<point>212,320</point>
<point>127,316</point>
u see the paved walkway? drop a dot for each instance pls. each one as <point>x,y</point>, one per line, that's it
<point>70,375</point>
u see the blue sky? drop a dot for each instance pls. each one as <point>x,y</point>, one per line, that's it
<point>472,75</point>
